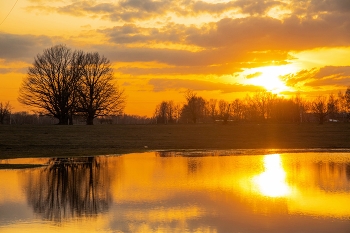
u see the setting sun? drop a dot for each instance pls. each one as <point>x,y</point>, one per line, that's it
<point>269,77</point>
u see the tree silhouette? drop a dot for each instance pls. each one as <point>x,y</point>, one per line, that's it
<point>97,95</point>
<point>62,82</point>
<point>195,106</point>
<point>225,109</point>
<point>5,111</point>
<point>319,108</point>
<point>52,81</point>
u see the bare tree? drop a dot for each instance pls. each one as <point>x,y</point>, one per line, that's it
<point>302,106</point>
<point>237,109</point>
<point>62,82</point>
<point>263,101</point>
<point>212,107</point>
<point>5,111</point>
<point>195,106</point>
<point>319,108</point>
<point>51,82</point>
<point>225,110</point>
<point>96,94</point>
<point>161,113</point>
<point>333,106</point>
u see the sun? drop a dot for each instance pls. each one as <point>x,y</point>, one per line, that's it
<point>269,77</point>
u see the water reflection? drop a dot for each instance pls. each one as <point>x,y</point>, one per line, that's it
<point>272,182</point>
<point>167,192</point>
<point>69,187</point>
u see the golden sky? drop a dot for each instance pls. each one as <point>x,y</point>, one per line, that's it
<point>160,48</point>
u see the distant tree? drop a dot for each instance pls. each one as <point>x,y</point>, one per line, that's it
<point>345,102</point>
<point>343,109</point>
<point>195,106</point>
<point>319,108</point>
<point>333,106</point>
<point>237,109</point>
<point>5,111</point>
<point>212,108</point>
<point>225,109</point>
<point>250,112</point>
<point>261,103</point>
<point>167,112</point>
<point>347,98</point>
<point>161,113</point>
<point>97,95</point>
<point>177,112</point>
<point>302,105</point>
<point>51,82</point>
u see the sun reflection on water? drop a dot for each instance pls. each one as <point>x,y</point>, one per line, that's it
<point>272,182</point>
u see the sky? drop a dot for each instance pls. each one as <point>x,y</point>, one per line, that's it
<point>159,49</point>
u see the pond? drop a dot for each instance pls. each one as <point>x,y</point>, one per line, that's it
<point>177,192</point>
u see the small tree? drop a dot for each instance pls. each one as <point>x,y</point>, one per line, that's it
<point>5,111</point>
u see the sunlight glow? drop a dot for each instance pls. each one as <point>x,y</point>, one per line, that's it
<point>269,77</point>
<point>272,182</point>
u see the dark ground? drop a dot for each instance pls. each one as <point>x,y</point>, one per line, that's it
<point>82,140</point>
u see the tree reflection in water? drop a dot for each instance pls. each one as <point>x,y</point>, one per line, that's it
<point>69,187</point>
<point>193,163</point>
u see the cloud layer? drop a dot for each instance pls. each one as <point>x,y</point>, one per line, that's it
<point>198,40</point>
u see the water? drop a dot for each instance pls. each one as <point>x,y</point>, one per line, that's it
<point>178,192</point>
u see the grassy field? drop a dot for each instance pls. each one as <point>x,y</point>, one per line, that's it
<point>81,140</point>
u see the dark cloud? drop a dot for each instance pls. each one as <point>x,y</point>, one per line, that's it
<point>330,5</point>
<point>218,70</point>
<point>130,33</point>
<point>265,33</point>
<point>22,47</point>
<point>133,10</point>
<point>5,70</point>
<point>196,85</point>
<point>79,8</point>
<point>214,58</point>
<point>13,70</point>
<point>126,10</point>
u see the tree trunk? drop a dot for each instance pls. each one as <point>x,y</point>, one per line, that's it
<point>90,120</point>
<point>63,120</point>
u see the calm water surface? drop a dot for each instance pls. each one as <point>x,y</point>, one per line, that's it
<point>174,192</point>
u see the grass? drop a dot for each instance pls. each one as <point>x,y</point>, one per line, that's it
<point>20,141</point>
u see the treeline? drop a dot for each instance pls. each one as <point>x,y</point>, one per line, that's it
<point>26,118</point>
<point>262,106</point>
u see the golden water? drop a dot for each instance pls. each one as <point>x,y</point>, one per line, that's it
<point>160,192</point>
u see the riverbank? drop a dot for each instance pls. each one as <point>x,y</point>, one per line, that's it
<point>20,141</point>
